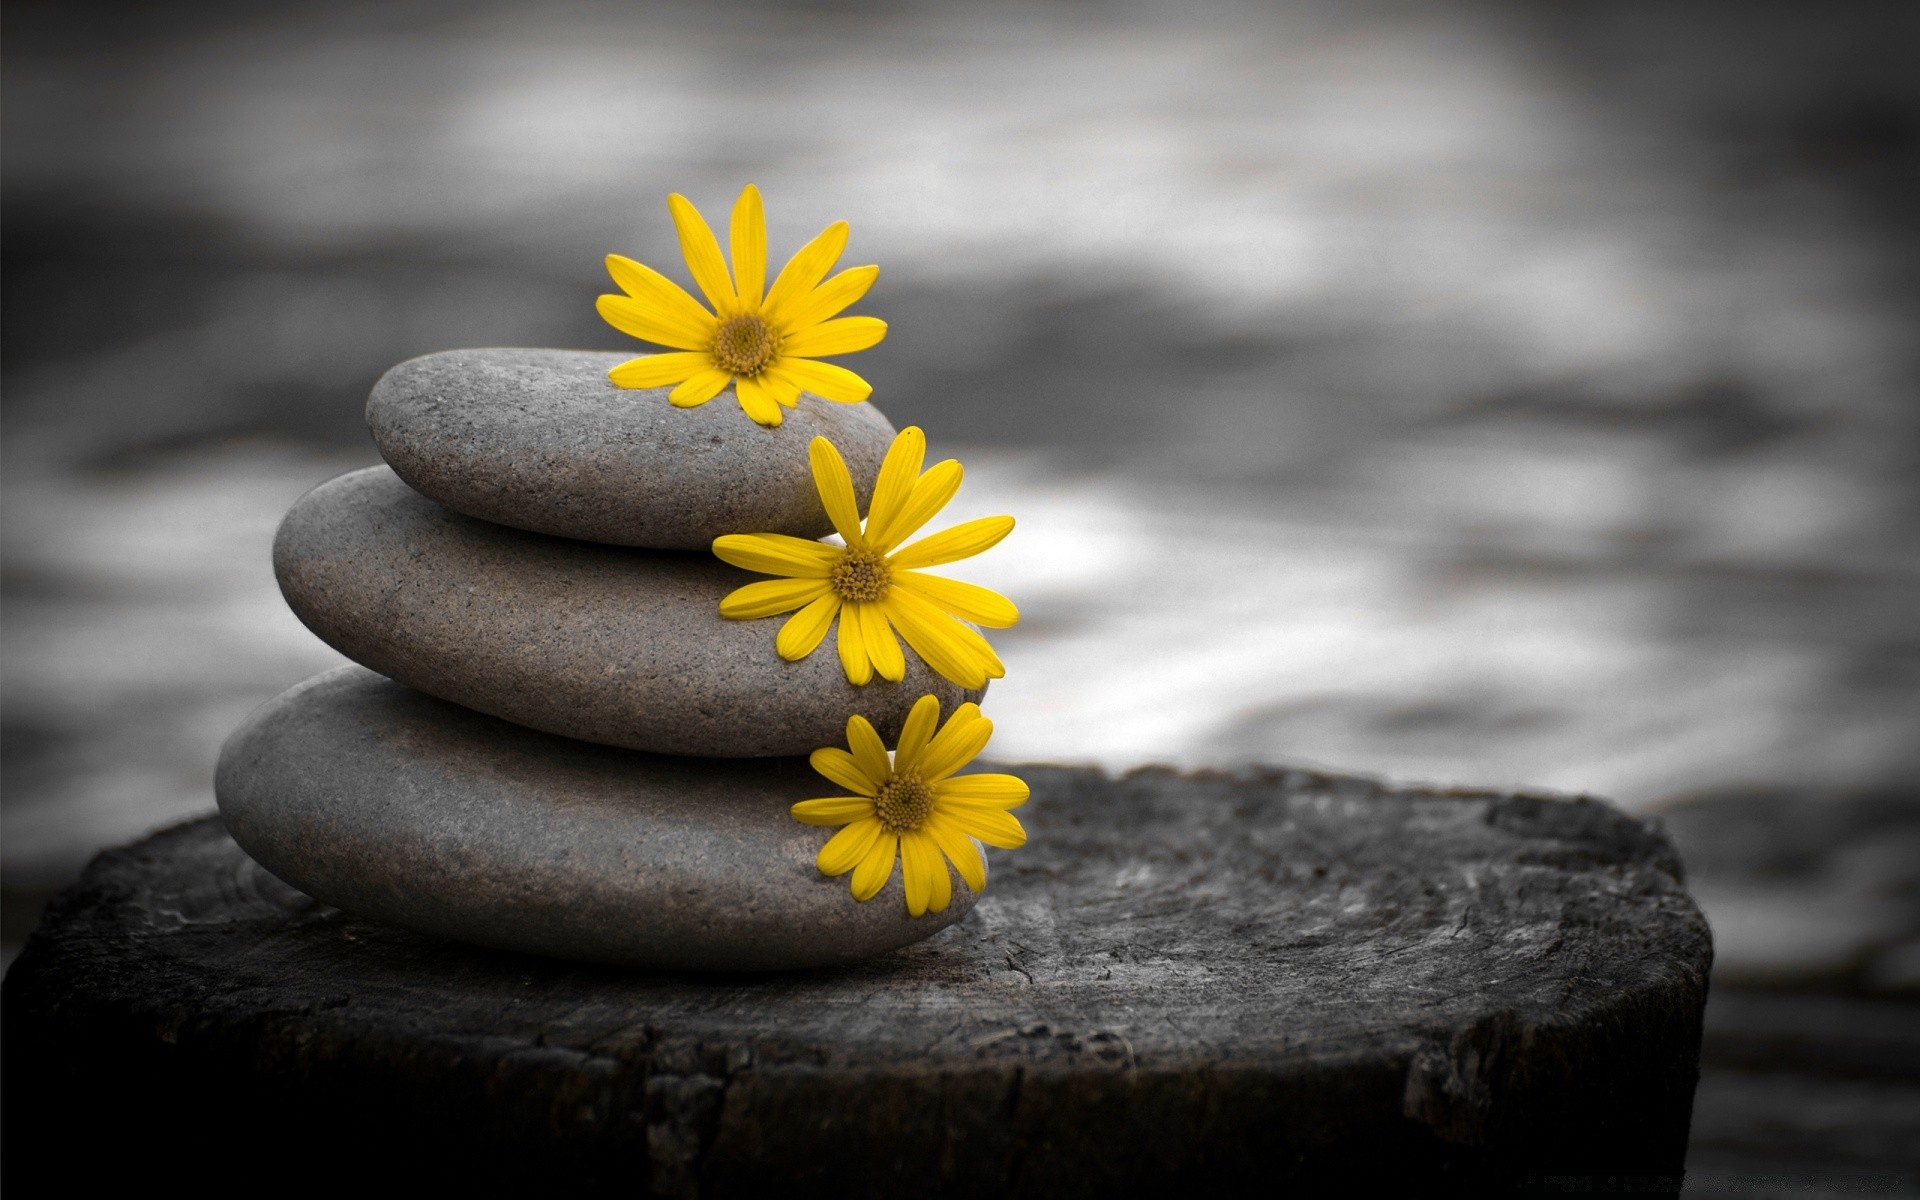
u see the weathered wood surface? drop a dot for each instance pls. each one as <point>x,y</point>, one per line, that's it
<point>1183,980</point>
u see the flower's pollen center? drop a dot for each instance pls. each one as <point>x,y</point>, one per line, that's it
<point>904,804</point>
<point>862,576</point>
<point>744,345</point>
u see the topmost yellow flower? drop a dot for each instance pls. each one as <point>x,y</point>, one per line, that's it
<point>762,340</point>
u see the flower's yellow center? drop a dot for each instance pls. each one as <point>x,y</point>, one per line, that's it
<point>744,345</point>
<point>861,576</point>
<point>904,804</point>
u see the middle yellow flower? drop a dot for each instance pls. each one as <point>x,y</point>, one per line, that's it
<point>872,587</point>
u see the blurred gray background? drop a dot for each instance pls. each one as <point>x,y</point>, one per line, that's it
<point>1480,393</point>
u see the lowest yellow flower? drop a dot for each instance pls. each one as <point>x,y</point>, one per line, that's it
<point>872,587</point>
<point>765,341</point>
<point>914,806</point>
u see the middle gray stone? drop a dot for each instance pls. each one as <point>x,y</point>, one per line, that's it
<point>613,645</point>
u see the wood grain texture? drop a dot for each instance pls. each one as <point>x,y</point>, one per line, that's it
<point>1184,980</point>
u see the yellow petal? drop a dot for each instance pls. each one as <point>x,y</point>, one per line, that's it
<point>959,849</point>
<point>749,238</point>
<point>833,810</point>
<point>942,655</point>
<point>699,389</point>
<point>845,850</point>
<point>942,878</point>
<point>838,765</point>
<point>638,319</point>
<point>996,791</point>
<point>806,629</point>
<point>822,379</point>
<point>702,252</point>
<point>804,270</point>
<point>928,495</point>
<point>898,472</point>
<point>781,386</point>
<point>916,881</point>
<point>658,370</point>
<point>756,403</point>
<point>949,545</point>
<point>852,644</point>
<point>668,299</point>
<point>841,336</point>
<point>863,740</point>
<point>828,299</point>
<point>924,873</point>
<point>771,597</point>
<point>963,736</point>
<point>876,867</point>
<point>777,554</point>
<point>990,825</point>
<point>942,642</point>
<point>835,485</point>
<point>971,643</point>
<point>916,732</point>
<point>882,647</point>
<point>968,601</point>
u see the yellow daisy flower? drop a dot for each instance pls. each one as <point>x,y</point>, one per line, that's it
<point>914,805</point>
<point>872,587</point>
<point>764,341</point>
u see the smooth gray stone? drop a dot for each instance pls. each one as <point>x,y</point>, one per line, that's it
<point>541,440</point>
<point>606,643</point>
<point>391,804</point>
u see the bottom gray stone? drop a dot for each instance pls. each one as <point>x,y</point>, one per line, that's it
<point>392,804</point>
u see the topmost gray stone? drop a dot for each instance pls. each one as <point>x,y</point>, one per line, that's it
<point>542,440</point>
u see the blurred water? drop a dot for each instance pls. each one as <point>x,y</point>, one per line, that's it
<point>1472,393</point>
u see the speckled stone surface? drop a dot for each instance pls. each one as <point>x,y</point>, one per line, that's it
<point>606,643</point>
<point>540,440</point>
<point>391,804</point>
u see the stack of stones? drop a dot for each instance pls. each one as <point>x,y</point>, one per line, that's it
<point>554,743</point>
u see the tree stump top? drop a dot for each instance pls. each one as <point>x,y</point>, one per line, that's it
<point>1271,975</point>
